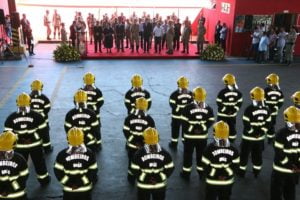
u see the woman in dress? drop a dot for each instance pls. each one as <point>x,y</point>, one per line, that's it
<point>108,37</point>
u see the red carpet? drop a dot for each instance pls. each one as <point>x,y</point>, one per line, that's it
<point>141,55</point>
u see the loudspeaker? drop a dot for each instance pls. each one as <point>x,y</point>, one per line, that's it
<point>2,18</point>
<point>15,20</point>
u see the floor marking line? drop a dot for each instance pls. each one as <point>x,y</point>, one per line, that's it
<point>12,89</point>
<point>57,85</point>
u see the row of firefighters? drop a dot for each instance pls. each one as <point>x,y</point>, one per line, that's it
<point>27,134</point>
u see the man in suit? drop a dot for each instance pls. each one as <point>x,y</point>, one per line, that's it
<point>120,34</point>
<point>98,34</point>
<point>147,35</point>
<point>134,30</point>
<point>177,31</point>
<point>170,37</point>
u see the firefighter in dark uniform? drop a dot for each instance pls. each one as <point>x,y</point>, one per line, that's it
<point>286,165</point>
<point>13,169</point>
<point>30,128</point>
<point>76,168</point>
<point>83,118</point>
<point>256,119</point>
<point>221,161</point>
<point>274,100</point>
<point>135,92</point>
<point>229,101</point>
<point>134,126</point>
<point>197,119</point>
<point>40,103</point>
<point>95,101</point>
<point>178,100</point>
<point>152,165</point>
<point>296,99</point>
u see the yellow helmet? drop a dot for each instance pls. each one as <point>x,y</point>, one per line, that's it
<point>229,79</point>
<point>292,114</point>
<point>199,94</point>
<point>183,82</point>
<point>141,104</point>
<point>221,130</point>
<point>37,85</point>
<point>7,141</point>
<point>272,79</point>
<point>296,98</point>
<point>257,94</point>
<point>80,96</point>
<point>89,78</point>
<point>150,136</point>
<point>75,137</point>
<point>23,100</point>
<point>137,80</point>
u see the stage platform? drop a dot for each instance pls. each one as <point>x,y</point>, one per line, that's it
<point>141,55</point>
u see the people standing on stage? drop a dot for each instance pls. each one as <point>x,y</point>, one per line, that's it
<point>108,37</point>
<point>147,35</point>
<point>223,36</point>
<point>170,37</point>
<point>120,35</point>
<point>164,37</point>
<point>98,35</point>
<point>290,45</point>
<point>134,31</point>
<point>128,33</point>
<point>73,33</point>
<point>185,38</point>
<point>217,32</point>
<point>25,24</point>
<point>158,33</point>
<point>200,37</point>
<point>281,43</point>
<point>141,31</point>
<point>177,34</point>
<point>56,22</point>
<point>91,21</point>
<point>63,33</point>
<point>47,24</point>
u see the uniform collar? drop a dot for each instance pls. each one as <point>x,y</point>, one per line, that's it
<point>158,147</point>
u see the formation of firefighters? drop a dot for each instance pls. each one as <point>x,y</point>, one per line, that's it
<point>149,164</point>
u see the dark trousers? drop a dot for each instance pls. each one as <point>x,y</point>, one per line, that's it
<point>261,56</point>
<point>283,186</point>
<point>255,148</point>
<point>77,195</point>
<point>142,39</point>
<point>46,139</point>
<point>30,46</point>
<point>217,192</point>
<point>176,42</point>
<point>73,40</point>
<point>157,194</point>
<point>164,43</point>
<point>231,121</point>
<point>271,130</point>
<point>98,43</point>
<point>130,153</point>
<point>254,51</point>
<point>176,126</point>
<point>146,44</point>
<point>37,157</point>
<point>157,41</point>
<point>223,44</point>
<point>120,43</point>
<point>189,146</point>
<point>271,53</point>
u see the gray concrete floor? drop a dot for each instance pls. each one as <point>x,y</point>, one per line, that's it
<point>61,80</point>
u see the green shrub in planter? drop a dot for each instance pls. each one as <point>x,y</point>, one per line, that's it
<point>213,52</point>
<point>66,53</point>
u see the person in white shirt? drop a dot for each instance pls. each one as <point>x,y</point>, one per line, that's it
<point>256,35</point>
<point>158,33</point>
<point>263,47</point>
